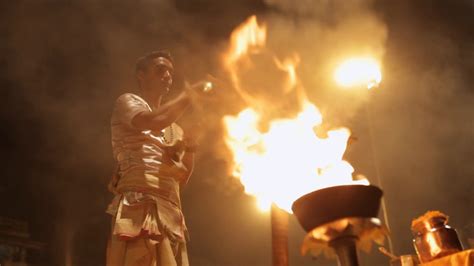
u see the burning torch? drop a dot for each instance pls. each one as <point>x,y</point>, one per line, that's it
<point>359,72</point>
<point>339,219</point>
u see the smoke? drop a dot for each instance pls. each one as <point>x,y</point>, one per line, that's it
<point>65,62</point>
<point>64,65</point>
<point>419,119</point>
<point>412,131</point>
<point>420,138</point>
<point>324,33</point>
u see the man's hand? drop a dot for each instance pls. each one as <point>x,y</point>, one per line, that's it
<point>172,153</point>
<point>205,90</point>
<point>199,92</point>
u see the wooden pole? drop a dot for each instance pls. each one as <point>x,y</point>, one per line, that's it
<point>279,221</point>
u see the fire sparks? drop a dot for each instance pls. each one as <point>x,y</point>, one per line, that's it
<point>354,72</point>
<point>288,159</point>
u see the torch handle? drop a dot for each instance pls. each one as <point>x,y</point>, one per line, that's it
<point>279,220</point>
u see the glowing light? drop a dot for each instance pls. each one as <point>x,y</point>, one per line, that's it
<point>356,72</point>
<point>249,35</point>
<point>287,160</point>
<point>264,205</point>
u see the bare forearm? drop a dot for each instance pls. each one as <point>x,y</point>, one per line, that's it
<point>169,113</point>
<point>164,115</point>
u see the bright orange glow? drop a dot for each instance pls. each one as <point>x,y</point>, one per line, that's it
<point>288,160</point>
<point>356,72</point>
<point>249,35</point>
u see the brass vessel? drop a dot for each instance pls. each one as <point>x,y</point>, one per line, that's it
<point>434,238</point>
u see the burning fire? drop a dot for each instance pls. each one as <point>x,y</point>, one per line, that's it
<point>362,71</point>
<point>247,36</point>
<point>288,159</point>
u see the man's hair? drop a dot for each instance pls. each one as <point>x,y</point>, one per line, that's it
<point>144,61</point>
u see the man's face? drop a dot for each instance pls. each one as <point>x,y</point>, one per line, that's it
<point>158,77</point>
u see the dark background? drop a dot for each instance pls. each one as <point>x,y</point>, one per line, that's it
<point>63,63</point>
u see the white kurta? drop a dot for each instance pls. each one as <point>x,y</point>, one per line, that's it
<point>147,218</point>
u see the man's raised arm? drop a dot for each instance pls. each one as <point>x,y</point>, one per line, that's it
<point>164,115</point>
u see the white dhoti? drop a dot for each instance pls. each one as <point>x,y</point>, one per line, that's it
<point>140,235</point>
<point>143,251</point>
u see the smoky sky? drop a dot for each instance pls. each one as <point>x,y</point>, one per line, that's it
<point>63,63</point>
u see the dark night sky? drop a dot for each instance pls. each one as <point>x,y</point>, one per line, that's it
<point>63,63</point>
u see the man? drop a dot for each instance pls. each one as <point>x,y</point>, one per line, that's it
<point>154,158</point>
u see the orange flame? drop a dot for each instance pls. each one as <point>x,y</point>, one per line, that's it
<point>289,159</point>
<point>249,35</point>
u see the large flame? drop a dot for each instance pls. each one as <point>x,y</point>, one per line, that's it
<point>288,159</point>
